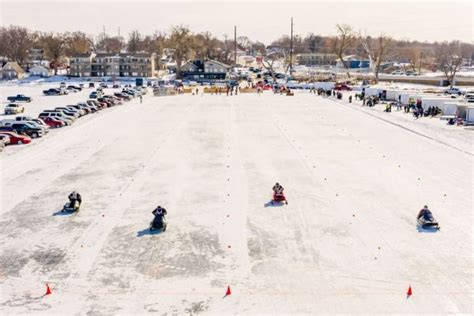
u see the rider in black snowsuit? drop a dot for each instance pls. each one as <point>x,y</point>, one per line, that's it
<point>159,213</point>
<point>73,197</point>
<point>425,213</point>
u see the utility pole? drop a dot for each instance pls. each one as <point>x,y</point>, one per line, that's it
<point>291,46</point>
<point>235,46</point>
<point>420,64</point>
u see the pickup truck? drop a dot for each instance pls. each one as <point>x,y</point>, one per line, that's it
<point>25,128</point>
<point>19,97</point>
<point>55,91</point>
<point>14,108</point>
<point>454,90</point>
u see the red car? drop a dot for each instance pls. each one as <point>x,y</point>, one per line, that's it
<point>52,122</point>
<point>342,87</point>
<point>16,138</point>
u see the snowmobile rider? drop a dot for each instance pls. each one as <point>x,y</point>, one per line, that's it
<point>73,197</point>
<point>277,188</point>
<point>425,213</point>
<point>159,212</point>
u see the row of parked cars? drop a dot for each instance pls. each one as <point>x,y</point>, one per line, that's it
<point>22,129</point>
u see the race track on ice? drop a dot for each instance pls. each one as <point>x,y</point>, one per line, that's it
<point>346,243</point>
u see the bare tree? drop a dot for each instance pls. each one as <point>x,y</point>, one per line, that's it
<point>272,59</point>
<point>449,60</point>
<point>53,45</point>
<point>77,42</point>
<point>377,49</point>
<point>412,54</point>
<point>342,42</point>
<point>15,43</point>
<point>182,42</point>
<point>134,43</point>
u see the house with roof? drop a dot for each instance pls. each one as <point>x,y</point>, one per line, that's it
<point>40,71</point>
<point>354,62</point>
<point>11,70</point>
<point>208,70</point>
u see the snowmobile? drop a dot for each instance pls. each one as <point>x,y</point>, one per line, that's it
<point>71,207</point>
<point>158,223</point>
<point>279,197</point>
<point>427,221</point>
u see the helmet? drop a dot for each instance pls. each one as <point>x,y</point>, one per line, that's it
<point>426,206</point>
<point>277,183</point>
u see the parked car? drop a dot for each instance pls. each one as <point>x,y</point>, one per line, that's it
<point>78,108</point>
<point>116,86</point>
<point>16,138</point>
<point>469,96</point>
<point>19,97</point>
<point>58,115</point>
<point>72,87</point>
<point>123,96</point>
<point>398,72</point>
<point>55,91</point>
<point>94,104</point>
<point>73,108</point>
<point>68,111</point>
<point>53,122</point>
<point>342,87</point>
<point>25,128</point>
<point>454,90</point>
<point>40,122</point>
<point>91,85</point>
<point>411,73</point>
<point>14,108</point>
<point>103,85</point>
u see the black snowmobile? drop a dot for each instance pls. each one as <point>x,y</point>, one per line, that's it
<point>71,207</point>
<point>427,221</point>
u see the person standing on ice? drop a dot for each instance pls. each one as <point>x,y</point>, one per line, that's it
<point>277,188</point>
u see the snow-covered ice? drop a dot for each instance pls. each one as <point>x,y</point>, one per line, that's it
<point>347,242</point>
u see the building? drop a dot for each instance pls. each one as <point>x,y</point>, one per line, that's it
<point>199,70</point>
<point>40,71</point>
<point>80,65</point>
<point>11,70</point>
<point>354,62</point>
<point>316,59</point>
<point>113,65</point>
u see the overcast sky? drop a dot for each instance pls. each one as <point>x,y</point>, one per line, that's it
<point>263,21</point>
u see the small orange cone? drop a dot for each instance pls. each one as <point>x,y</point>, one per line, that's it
<point>48,290</point>
<point>409,293</point>
<point>228,292</point>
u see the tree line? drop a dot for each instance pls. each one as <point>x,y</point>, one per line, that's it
<point>182,44</point>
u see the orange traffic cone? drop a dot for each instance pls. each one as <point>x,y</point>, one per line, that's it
<point>409,293</point>
<point>228,292</point>
<point>48,290</point>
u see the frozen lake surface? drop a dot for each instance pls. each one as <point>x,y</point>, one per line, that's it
<point>347,242</point>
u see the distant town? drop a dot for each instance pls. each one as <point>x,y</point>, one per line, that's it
<point>205,57</point>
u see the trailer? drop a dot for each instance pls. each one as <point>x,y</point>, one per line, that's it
<point>426,102</point>
<point>469,116</point>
